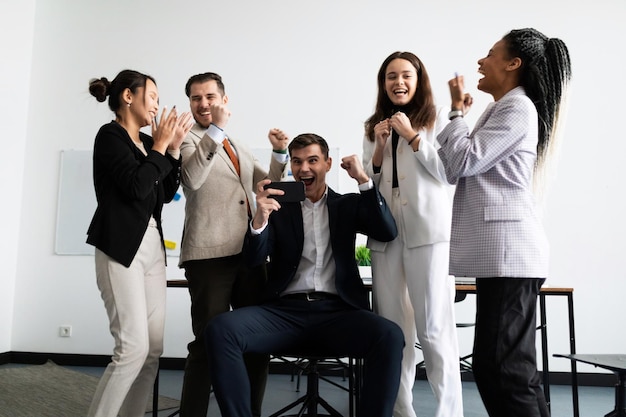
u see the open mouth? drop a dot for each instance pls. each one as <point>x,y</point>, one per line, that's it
<point>307,181</point>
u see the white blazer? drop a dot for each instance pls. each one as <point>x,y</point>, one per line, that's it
<point>426,207</point>
<point>496,231</point>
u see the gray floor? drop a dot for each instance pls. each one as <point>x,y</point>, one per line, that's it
<point>593,401</point>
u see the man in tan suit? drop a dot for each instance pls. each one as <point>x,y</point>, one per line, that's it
<point>218,178</point>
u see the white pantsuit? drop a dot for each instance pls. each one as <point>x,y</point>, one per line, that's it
<point>411,285</point>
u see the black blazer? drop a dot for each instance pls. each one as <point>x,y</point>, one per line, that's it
<point>130,187</point>
<point>348,214</point>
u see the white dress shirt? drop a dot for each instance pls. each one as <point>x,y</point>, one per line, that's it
<point>316,270</point>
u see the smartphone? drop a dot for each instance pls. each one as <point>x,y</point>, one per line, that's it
<point>294,191</point>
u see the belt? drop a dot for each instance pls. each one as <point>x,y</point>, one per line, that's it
<point>311,296</point>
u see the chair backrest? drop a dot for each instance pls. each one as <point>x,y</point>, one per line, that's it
<point>460,296</point>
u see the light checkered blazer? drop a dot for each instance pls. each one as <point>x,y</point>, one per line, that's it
<point>496,231</point>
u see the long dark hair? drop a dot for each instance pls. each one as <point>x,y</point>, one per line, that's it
<point>100,88</point>
<point>545,74</point>
<point>421,110</point>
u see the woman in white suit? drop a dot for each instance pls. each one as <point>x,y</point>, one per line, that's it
<point>411,285</point>
<point>497,236</point>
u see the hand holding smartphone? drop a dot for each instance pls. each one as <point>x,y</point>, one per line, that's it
<point>294,191</point>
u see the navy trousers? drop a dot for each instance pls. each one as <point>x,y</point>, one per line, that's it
<point>505,357</point>
<point>322,327</point>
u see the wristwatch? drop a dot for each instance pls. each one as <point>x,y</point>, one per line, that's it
<point>455,113</point>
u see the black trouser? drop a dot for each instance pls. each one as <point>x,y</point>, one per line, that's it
<point>505,357</point>
<point>214,286</point>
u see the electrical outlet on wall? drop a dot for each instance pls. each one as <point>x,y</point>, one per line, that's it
<point>65,331</point>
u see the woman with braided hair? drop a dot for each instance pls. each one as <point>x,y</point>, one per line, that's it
<point>497,235</point>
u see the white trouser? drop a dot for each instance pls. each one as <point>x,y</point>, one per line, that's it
<point>134,298</point>
<point>412,288</point>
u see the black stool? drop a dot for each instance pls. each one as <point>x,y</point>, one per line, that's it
<point>311,366</point>
<point>299,366</point>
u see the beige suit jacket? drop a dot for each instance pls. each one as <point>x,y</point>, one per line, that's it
<point>216,212</point>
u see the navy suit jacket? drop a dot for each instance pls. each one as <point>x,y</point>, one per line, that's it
<point>348,214</point>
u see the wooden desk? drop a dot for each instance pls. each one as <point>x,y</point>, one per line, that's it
<point>177,283</point>
<point>543,327</point>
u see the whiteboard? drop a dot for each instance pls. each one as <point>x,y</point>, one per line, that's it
<point>77,203</point>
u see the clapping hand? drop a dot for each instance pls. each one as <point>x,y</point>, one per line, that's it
<point>163,131</point>
<point>170,132</point>
<point>184,123</point>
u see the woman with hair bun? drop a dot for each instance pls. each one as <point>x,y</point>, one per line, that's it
<point>134,175</point>
<point>497,236</point>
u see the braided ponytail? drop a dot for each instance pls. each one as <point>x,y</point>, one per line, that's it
<point>545,75</point>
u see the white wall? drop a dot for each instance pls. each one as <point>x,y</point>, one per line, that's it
<point>305,66</point>
<point>16,22</point>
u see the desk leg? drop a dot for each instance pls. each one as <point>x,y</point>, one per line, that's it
<point>155,396</point>
<point>572,350</point>
<point>620,397</point>
<point>544,348</point>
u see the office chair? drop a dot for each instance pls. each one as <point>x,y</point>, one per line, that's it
<point>315,368</point>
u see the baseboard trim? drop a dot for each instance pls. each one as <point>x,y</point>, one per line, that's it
<point>64,359</point>
<point>586,379</point>
<point>276,367</point>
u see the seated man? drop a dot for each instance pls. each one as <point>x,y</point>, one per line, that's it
<point>315,299</point>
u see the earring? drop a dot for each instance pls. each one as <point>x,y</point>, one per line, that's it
<point>128,104</point>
